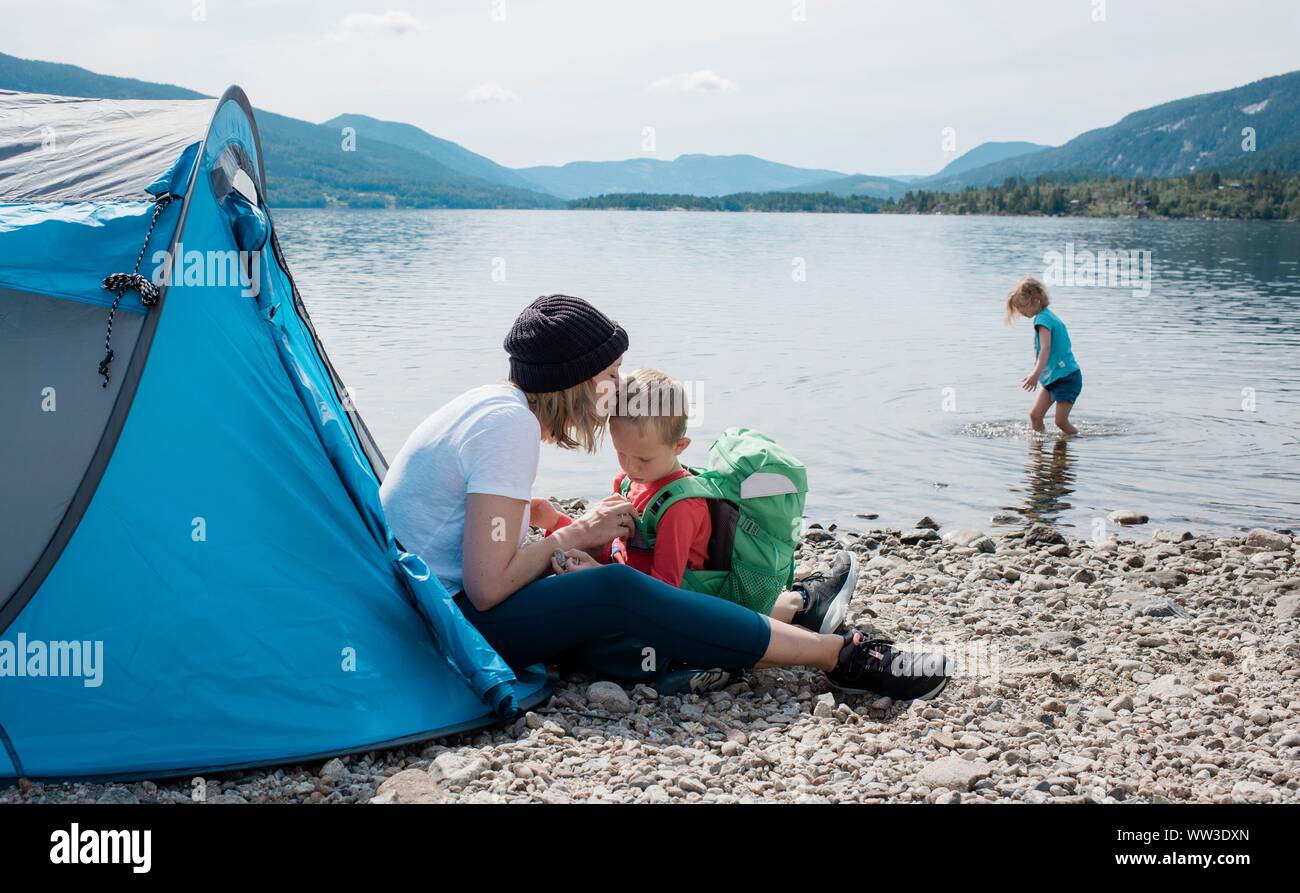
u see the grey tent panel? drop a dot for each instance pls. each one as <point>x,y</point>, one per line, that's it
<point>63,148</point>
<point>54,410</point>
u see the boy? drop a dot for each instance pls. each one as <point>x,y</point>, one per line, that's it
<point>648,430</point>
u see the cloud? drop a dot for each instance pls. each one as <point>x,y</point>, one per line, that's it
<point>706,81</point>
<point>490,91</point>
<point>393,23</point>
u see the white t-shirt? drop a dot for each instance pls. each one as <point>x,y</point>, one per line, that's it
<point>485,441</point>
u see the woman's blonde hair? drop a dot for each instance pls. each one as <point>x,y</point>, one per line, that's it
<point>1030,293</point>
<point>571,418</point>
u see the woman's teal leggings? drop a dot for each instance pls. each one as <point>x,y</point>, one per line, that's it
<point>624,623</point>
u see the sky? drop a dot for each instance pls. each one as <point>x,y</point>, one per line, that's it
<point>858,86</point>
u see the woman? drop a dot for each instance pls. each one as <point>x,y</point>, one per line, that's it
<point>458,495</point>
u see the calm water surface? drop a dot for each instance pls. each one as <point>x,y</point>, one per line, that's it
<point>887,369</point>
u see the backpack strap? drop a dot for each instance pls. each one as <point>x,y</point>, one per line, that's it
<point>639,540</point>
<point>690,487</point>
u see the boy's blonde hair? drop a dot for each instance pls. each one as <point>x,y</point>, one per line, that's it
<point>571,418</point>
<point>651,399</point>
<point>1030,292</point>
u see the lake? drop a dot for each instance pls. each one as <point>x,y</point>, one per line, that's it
<point>873,346</point>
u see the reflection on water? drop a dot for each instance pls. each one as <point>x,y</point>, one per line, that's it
<point>886,367</point>
<point>1049,479</point>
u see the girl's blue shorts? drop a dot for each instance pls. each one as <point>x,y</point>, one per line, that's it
<point>1067,390</point>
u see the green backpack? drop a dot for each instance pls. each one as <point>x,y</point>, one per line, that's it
<point>755,491</point>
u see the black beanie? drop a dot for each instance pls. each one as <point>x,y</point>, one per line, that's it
<point>559,341</point>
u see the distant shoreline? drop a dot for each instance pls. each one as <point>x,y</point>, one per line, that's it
<point>346,209</point>
<point>1212,196</point>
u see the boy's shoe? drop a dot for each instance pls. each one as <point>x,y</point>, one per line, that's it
<point>690,681</point>
<point>874,666</point>
<point>828,595</point>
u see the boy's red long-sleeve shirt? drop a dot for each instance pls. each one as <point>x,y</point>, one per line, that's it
<point>681,541</point>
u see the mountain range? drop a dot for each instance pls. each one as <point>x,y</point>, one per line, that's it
<point>400,165</point>
<point>1200,133</point>
<point>685,175</point>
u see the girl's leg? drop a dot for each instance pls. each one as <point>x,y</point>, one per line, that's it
<point>559,613</point>
<point>787,605</point>
<point>1063,418</point>
<point>1039,409</point>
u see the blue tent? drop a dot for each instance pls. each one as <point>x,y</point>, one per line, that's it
<point>195,569</point>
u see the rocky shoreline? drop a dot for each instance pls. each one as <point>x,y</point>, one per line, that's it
<point>1160,670</point>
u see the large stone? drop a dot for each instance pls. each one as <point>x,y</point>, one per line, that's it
<point>1288,608</point>
<point>1167,579</point>
<point>927,523</point>
<point>1043,535</point>
<point>1123,702</point>
<point>1269,540</point>
<point>971,538</point>
<point>656,794</point>
<point>1128,517</point>
<point>609,697</point>
<point>409,786</point>
<point>920,534</point>
<point>453,768</point>
<point>1252,792</point>
<point>1168,688</point>
<point>954,773</point>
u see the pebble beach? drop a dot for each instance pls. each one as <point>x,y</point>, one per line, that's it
<point>1154,667</point>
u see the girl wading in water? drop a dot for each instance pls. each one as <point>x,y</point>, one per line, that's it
<point>458,495</point>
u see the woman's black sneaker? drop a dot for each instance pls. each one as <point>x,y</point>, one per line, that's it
<point>827,595</point>
<point>682,680</point>
<point>875,666</point>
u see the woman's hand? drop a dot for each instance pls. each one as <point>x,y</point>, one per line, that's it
<point>542,514</point>
<point>574,560</point>
<point>1031,380</point>
<point>612,517</point>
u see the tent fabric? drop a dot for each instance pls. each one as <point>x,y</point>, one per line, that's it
<point>61,148</point>
<point>65,250</point>
<point>232,559</point>
<point>55,410</point>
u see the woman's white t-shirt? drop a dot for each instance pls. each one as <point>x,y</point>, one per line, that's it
<point>485,441</point>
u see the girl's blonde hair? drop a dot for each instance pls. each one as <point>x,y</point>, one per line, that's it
<point>571,418</point>
<point>1030,293</point>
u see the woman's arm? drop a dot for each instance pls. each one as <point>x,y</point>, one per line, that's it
<point>494,566</point>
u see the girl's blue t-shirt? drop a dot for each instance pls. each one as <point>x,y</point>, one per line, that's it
<point>1061,361</point>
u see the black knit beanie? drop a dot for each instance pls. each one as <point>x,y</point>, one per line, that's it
<point>559,341</point>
